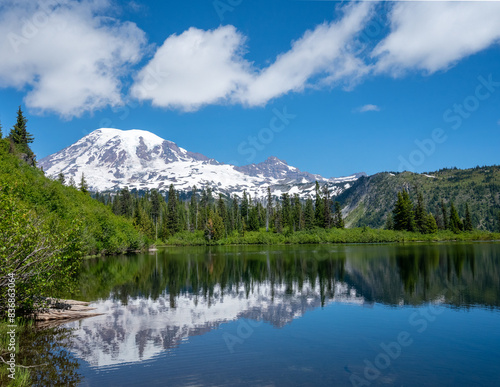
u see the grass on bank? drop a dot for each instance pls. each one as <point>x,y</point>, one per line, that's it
<point>318,235</point>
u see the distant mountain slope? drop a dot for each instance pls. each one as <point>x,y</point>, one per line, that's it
<point>111,159</point>
<point>369,199</point>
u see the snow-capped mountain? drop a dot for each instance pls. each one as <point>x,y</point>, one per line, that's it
<point>112,159</point>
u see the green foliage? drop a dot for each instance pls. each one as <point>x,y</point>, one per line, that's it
<point>99,230</point>
<point>321,235</point>
<point>468,220</point>
<point>338,221</point>
<point>404,218</point>
<point>309,215</point>
<point>372,198</point>
<point>20,136</point>
<point>455,222</point>
<point>83,187</point>
<point>41,255</point>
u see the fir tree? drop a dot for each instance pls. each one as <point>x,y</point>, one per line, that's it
<point>444,213</point>
<point>222,211</point>
<point>468,220</point>
<point>403,213</point>
<point>309,220</point>
<point>83,185</point>
<point>455,224</point>
<point>297,213</point>
<point>172,213</point>
<point>60,178</point>
<point>1,130</point>
<point>20,136</point>
<point>193,210</point>
<point>319,210</point>
<point>244,207</point>
<point>126,203</point>
<point>253,219</point>
<point>420,215</point>
<point>338,221</point>
<point>430,224</point>
<point>269,208</point>
<point>286,215</point>
<point>327,207</point>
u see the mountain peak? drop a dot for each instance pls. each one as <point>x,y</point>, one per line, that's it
<point>112,159</point>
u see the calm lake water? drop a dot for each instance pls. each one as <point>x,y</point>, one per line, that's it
<point>325,315</point>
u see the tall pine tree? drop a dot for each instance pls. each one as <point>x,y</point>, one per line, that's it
<point>468,220</point>
<point>319,209</point>
<point>455,224</point>
<point>338,222</point>
<point>403,215</point>
<point>20,136</point>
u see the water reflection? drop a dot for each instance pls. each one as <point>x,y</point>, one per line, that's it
<point>151,303</point>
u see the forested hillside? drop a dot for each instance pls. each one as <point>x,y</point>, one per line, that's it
<point>50,201</point>
<point>372,198</point>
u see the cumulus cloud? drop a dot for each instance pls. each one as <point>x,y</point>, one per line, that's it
<point>367,108</point>
<point>194,68</point>
<point>67,57</point>
<point>200,67</point>
<point>433,36</point>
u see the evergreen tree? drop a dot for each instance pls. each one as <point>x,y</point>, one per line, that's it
<point>20,136</point>
<point>222,211</point>
<point>319,210</point>
<point>403,215</point>
<point>455,224</point>
<point>244,207</point>
<point>237,223</point>
<point>297,213</point>
<point>214,229</point>
<point>172,212</point>
<point>468,220</point>
<point>269,208</point>
<point>338,222</point>
<point>444,213</point>
<point>253,219</point>
<point>156,200</point>
<point>420,215</point>
<point>193,210</point>
<point>498,219</point>
<point>278,220</point>
<point>1,130</point>
<point>309,220</point>
<point>430,224</point>
<point>60,178</point>
<point>327,207</point>
<point>126,203</point>
<point>286,210</point>
<point>83,185</point>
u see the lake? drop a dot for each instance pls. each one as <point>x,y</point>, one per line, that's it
<point>317,315</point>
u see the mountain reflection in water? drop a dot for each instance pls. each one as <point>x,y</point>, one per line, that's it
<point>153,302</point>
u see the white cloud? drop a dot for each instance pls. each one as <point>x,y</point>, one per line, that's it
<point>68,58</point>
<point>193,69</point>
<point>324,51</point>
<point>205,67</point>
<point>433,36</point>
<point>368,108</point>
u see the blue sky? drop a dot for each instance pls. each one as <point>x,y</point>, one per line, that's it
<point>332,88</point>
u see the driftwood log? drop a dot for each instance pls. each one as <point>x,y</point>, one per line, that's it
<point>63,311</point>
